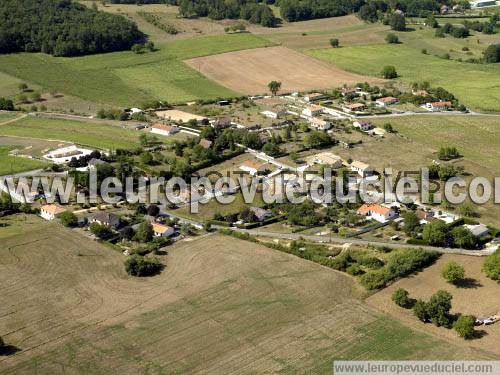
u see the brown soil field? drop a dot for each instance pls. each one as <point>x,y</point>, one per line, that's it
<point>250,71</point>
<point>220,306</point>
<point>479,296</point>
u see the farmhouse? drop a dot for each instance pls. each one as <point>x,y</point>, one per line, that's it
<point>51,211</point>
<point>385,101</point>
<point>252,166</point>
<point>312,110</point>
<point>327,158</point>
<point>105,218</point>
<point>425,216</point>
<point>260,213</point>
<point>353,107</point>
<point>349,91</point>
<point>361,168</point>
<point>315,96</point>
<point>205,143</point>
<point>479,230</point>
<point>160,230</point>
<point>319,124</point>
<point>363,125</point>
<point>439,106</point>
<point>377,212</point>
<point>162,129</point>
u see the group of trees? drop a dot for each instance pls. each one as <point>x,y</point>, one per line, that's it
<point>437,311</point>
<point>62,28</point>
<point>399,263</point>
<point>491,266</point>
<point>492,54</point>
<point>300,10</point>
<point>137,265</point>
<point>448,153</point>
<point>254,12</point>
<point>454,31</point>
<point>6,104</point>
<point>437,233</point>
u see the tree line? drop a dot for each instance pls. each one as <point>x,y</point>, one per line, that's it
<point>300,10</point>
<point>62,28</point>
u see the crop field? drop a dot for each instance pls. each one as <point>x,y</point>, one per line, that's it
<point>476,85</point>
<point>127,78</point>
<point>250,71</point>
<point>478,296</point>
<point>221,306</point>
<point>13,164</point>
<point>102,136</point>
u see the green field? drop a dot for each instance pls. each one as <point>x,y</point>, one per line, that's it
<point>101,136</point>
<point>126,78</point>
<point>476,85</point>
<point>14,164</point>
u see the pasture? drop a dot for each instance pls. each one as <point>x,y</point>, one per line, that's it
<point>13,164</point>
<point>221,306</point>
<point>250,71</point>
<point>478,296</point>
<point>91,134</point>
<point>475,85</point>
<point>126,78</point>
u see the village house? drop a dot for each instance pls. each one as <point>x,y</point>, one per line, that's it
<point>160,230</point>
<point>319,124</point>
<point>327,158</point>
<point>221,123</point>
<point>478,230</point>
<point>388,100</point>
<point>275,113</point>
<point>361,168</point>
<point>51,211</point>
<point>363,125</point>
<point>438,106</point>
<point>349,91</point>
<point>205,143</point>
<point>312,110</point>
<point>105,218</point>
<point>253,167</point>
<point>261,214</point>
<point>377,212</point>
<point>315,96</point>
<point>162,129</point>
<point>353,107</point>
<point>425,216</point>
<point>93,163</point>
<point>422,93</point>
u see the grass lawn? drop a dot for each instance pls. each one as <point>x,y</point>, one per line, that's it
<point>221,305</point>
<point>476,85</point>
<point>126,78</point>
<point>477,138</point>
<point>7,116</point>
<point>14,164</point>
<point>101,136</point>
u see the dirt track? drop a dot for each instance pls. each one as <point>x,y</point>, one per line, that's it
<point>250,71</point>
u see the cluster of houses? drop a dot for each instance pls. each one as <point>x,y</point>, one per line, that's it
<point>53,211</point>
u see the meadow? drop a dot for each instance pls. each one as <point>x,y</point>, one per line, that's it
<point>101,136</point>
<point>475,85</point>
<point>221,305</point>
<point>126,78</point>
<point>13,164</point>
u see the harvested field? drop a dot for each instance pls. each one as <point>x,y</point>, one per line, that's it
<point>176,115</point>
<point>478,296</point>
<point>221,306</point>
<point>250,71</point>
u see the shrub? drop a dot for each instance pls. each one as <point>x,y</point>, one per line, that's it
<point>389,72</point>
<point>491,266</point>
<point>420,310</point>
<point>334,42</point>
<point>68,219</point>
<point>100,231</point>
<point>391,38</point>
<point>137,265</point>
<point>452,272</point>
<point>373,280</point>
<point>354,270</point>
<point>465,326</point>
<point>401,298</point>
